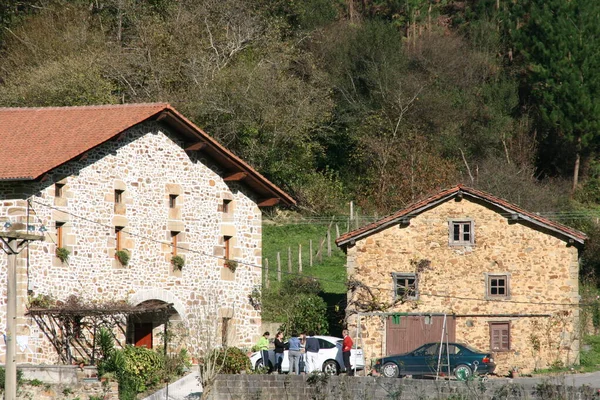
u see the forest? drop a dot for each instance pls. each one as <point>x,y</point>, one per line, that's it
<point>380,102</point>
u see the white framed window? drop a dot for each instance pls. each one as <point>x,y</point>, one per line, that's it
<point>497,285</point>
<point>405,286</point>
<point>461,232</point>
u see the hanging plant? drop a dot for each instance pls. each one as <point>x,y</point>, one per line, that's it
<point>123,256</point>
<point>63,254</point>
<point>178,262</point>
<point>231,264</point>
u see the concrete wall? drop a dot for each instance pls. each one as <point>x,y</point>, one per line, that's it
<point>542,268</point>
<point>148,163</point>
<point>276,387</point>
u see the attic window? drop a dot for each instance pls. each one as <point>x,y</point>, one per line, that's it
<point>172,200</point>
<point>226,206</point>
<point>119,196</point>
<point>461,233</point>
<point>58,189</point>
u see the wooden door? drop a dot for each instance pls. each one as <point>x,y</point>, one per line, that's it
<point>143,334</point>
<point>413,331</point>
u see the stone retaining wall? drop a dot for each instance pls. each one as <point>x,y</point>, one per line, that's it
<point>290,387</point>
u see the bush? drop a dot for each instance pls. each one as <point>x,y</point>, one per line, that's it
<point>3,377</point>
<point>233,360</point>
<point>301,284</point>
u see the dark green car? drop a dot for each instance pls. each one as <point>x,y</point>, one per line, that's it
<point>455,359</point>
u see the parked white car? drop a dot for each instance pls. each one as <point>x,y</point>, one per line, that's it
<point>330,357</point>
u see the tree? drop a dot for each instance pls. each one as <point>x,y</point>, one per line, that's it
<point>558,41</point>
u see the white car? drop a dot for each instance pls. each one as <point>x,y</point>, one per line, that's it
<point>330,357</point>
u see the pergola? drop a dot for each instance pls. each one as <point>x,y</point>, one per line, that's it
<point>72,327</point>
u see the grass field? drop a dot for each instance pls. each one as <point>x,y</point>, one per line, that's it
<point>331,271</point>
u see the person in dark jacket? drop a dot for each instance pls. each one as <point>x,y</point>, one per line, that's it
<point>279,349</point>
<point>312,353</point>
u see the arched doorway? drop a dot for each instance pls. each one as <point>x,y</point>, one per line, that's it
<point>149,327</point>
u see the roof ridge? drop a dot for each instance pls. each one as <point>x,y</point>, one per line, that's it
<point>91,107</point>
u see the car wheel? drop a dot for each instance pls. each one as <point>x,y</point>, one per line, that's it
<point>259,364</point>
<point>390,370</point>
<point>330,367</point>
<point>462,372</point>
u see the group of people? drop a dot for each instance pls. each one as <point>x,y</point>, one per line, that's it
<point>303,351</point>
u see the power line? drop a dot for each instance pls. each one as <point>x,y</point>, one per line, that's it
<point>319,279</point>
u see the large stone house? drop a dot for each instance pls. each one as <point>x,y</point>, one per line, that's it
<point>138,180</point>
<point>503,279</point>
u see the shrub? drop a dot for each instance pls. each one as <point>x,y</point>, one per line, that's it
<point>302,284</point>
<point>232,359</point>
<point>142,366</point>
<point>3,377</point>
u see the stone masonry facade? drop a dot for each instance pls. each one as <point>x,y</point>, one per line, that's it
<point>542,270</point>
<point>164,192</point>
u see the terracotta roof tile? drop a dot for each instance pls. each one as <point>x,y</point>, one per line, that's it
<point>37,140</point>
<point>444,195</point>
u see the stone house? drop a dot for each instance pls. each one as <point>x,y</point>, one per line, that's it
<point>466,266</point>
<point>140,180</point>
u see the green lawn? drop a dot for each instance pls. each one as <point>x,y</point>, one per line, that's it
<point>330,271</point>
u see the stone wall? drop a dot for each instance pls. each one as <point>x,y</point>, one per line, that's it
<point>148,165</point>
<point>82,391</point>
<point>276,387</point>
<point>543,280</point>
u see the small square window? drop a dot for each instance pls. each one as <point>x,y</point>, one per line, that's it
<point>226,206</point>
<point>405,286</point>
<point>497,285</point>
<point>119,196</point>
<point>59,189</point>
<point>172,200</point>
<point>461,233</point>
<point>500,336</point>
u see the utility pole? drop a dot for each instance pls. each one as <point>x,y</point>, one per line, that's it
<point>14,242</point>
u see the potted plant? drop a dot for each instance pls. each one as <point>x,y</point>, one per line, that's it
<point>231,264</point>
<point>514,372</point>
<point>178,262</point>
<point>63,254</point>
<point>123,256</point>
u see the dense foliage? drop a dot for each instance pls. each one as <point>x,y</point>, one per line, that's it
<point>231,360</point>
<point>376,101</point>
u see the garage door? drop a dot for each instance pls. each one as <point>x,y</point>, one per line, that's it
<point>409,332</point>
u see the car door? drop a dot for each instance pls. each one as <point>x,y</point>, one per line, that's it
<point>328,351</point>
<point>422,361</point>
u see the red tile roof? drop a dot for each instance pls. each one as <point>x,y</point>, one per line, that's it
<point>445,195</point>
<point>37,140</point>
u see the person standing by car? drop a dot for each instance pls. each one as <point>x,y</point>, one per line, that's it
<point>346,349</point>
<point>312,352</point>
<point>263,347</point>
<point>302,363</point>
<point>279,349</point>
<point>294,354</point>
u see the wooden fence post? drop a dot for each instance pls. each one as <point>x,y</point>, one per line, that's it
<point>300,258</point>
<point>310,253</point>
<point>289,259</point>
<point>337,231</point>
<point>278,267</point>
<point>267,273</point>
<point>329,243</point>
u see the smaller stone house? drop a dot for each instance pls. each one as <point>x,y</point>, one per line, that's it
<point>142,180</point>
<point>466,266</point>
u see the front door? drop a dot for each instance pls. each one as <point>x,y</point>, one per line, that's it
<point>143,334</point>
